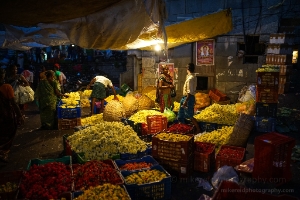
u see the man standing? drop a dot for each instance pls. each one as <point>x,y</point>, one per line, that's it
<point>187,102</point>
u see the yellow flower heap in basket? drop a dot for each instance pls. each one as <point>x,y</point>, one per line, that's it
<point>172,137</point>
<point>141,116</point>
<point>145,103</point>
<point>114,111</point>
<point>72,101</point>
<point>84,100</point>
<point>130,104</point>
<point>111,97</point>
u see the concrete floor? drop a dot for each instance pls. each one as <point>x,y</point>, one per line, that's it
<point>30,143</point>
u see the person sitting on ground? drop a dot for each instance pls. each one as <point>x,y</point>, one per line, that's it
<point>10,117</point>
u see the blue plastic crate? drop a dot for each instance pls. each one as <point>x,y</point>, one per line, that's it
<point>128,156</point>
<point>207,126</point>
<point>80,158</point>
<point>66,160</point>
<point>157,190</point>
<point>68,113</point>
<point>265,124</point>
<point>147,159</point>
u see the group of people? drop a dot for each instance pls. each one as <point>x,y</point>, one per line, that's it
<point>187,102</point>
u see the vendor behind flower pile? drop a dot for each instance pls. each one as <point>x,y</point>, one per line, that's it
<point>99,91</point>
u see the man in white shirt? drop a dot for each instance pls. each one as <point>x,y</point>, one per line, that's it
<point>101,83</point>
<point>187,102</point>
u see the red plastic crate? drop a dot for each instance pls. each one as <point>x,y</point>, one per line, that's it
<point>272,157</point>
<point>182,169</point>
<point>216,95</point>
<point>229,155</point>
<point>229,190</point>
<point>267,79</point>
<point>204,156</point>
<point>156,123</point>
<point>267,94</point>
<point>176,151</point>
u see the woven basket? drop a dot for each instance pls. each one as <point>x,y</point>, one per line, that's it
<point>114,111</point>
<point>241,131</point>
<point>130,104</point>
<point>145,103</point>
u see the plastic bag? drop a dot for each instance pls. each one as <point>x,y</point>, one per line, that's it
<point>204,183</point>
<point>171,116</point>
<point>26,94</point>
<point>246,166</point>
<point>226,173</point>
<point>247,93</point>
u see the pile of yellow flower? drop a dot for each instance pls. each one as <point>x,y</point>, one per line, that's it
<point>141,116</point>
<point>111,97</point>
<point>220,114</point>
<point>94,119</point>
<point>105,191</point>
<point>176,106</point>
<point>147,176</point>
<point>218,137</point>
<point>105,139</point>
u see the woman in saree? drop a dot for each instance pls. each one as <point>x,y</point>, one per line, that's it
<point>165,83</point>
<point>10,117</point>
<point>46,96</point>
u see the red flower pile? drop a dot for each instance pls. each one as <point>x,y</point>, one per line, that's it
<point>46,181</point>
<point>94,173</point>
<point>180,128</point>
<point>205,148</point>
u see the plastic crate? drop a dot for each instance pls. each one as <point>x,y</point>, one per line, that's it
<point>216,95</point>
<point>207,126</point>
<point>76,194</point>
<point>265,124</point>
<point>182,169</point>
<point>66,124</point>
<point>267,79</point>
<point>229,155</point>
<point>204,156</point>
<point>229,190</point>
<point>129,156</point>
<point>176,151</point>
<point>272,157</point>
<point>13,177</point>
<point>279,59</point>
<point>156,190</point>
<point>266,109</point>
<point>156,123</point>
<point>80,157</point>
<point>181,128</point>
<point>67,160</point>
<point>136,127</point>
<point>68,113</point>
<point>282,38</point>
<point>267,94</point>
<point>285,69</point>
<point>148,159</point>
<point>279,49</point>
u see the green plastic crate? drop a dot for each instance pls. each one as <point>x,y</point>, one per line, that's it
<point>66,160</point>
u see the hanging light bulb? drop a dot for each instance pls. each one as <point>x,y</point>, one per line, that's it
<point>157,47</point>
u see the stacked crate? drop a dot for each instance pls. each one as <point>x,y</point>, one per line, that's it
<point>175,156</point>
<point>68,117</point>
<point>280,54</point>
